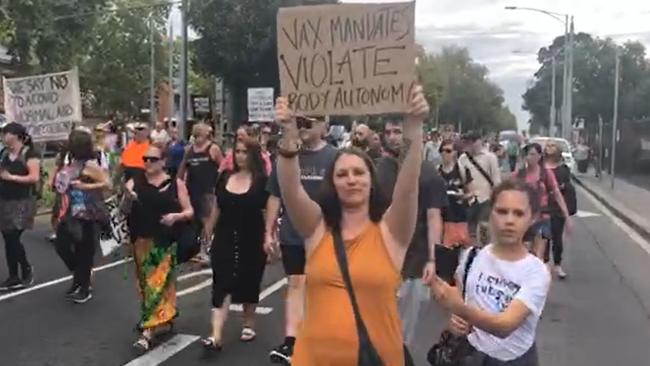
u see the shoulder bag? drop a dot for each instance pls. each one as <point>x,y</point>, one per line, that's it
<point>451,349</point>
<point>368,355</point>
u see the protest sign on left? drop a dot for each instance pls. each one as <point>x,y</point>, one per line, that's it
<point>47,105</point>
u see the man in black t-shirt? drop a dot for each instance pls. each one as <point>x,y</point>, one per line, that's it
<point>315,157</point>
<point>419,262</point>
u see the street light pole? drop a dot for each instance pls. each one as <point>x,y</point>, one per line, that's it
<point>615,117</point>
<point>152,81</point>
<point>565,77</point>
<point>551,117</point>
<point>183,107</point>
<point>172,91</point>
<point>569,120</point>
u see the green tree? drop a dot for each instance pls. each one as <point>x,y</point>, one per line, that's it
<point>593,83</point>
<point>459,90</point>
<point>237,41</point>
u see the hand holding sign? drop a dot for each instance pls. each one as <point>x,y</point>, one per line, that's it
<point>417,112</point>
<point>285,118</point>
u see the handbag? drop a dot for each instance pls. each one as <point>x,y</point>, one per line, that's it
<point>368,355</point>
<point>451,349</point>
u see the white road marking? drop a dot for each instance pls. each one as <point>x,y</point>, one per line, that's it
<point>622,225</point>
<point>583,214</point>
<point>165,351</point>
<point>59,280</point>
<point>194,274</point>
<point>192,289</point>
<point>168,349</point>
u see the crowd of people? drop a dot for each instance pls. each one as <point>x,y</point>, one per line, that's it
<point>367,231</point>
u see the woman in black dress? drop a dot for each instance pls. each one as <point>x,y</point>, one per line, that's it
<point>237,254</point>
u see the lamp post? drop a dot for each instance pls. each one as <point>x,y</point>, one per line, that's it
<point>567,77</point>
<point>181,124</point>
<point>615,117</point>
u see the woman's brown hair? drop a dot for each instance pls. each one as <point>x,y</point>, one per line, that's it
<point>254,160</point>
<point>330,203</point>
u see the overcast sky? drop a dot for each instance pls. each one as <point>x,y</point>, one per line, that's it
<point>507,41</point>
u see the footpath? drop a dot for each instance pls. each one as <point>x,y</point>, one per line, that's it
<point>627,201</point>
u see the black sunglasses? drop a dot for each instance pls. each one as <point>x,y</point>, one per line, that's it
<point>151,159</point>
<point>448,151</point>
<point>303,122</point>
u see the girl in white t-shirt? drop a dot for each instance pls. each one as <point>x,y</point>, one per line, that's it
<point>506,286</point>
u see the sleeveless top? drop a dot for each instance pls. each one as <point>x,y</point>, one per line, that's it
<point>75,202</point>
<point>202,171</point>
<point>328,335</point>
<point>152,204</point>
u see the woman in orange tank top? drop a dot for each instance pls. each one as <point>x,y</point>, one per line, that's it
<point>375,242</point>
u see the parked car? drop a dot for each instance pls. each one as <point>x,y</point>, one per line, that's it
<point>567,150</point>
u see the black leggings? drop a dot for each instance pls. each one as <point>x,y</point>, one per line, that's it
<point>15,252</point>
<point>557,231</point>
<point>76,246</point>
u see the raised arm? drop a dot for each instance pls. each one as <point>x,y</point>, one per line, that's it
<point>305,214</point>
<point>401,216</point>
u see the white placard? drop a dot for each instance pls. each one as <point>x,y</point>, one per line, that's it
<point>260,105</point>
<point>47,105</point>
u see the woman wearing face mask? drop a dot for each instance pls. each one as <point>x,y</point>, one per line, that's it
<point>351,216</point>
<point>237,255</point>
<point>19,173</point>
<point>506,286</point>
<point>160,208</point>
<point>542,180</point>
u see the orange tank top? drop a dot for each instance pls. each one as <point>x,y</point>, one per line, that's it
<point>328,335</point>
<point>133,153</point>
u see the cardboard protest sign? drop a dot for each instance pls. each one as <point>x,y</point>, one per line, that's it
<point>261,105</point>
<point>46,105</point>
<point>347,58</point>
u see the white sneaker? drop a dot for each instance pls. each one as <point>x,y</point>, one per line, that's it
<point>560,272</point>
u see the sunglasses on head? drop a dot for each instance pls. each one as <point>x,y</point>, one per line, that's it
<point>151,159</point>
<point>305,122</point>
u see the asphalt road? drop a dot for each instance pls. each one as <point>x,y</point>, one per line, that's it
<point>599,316</point>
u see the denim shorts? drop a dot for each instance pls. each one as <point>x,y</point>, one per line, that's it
<point>541,227</point>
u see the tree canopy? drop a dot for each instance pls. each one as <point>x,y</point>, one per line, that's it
<point>593,84</point>
<point>459,91</point>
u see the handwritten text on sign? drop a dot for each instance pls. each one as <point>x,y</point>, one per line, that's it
<point>348,58</point>
<point>260,105</point>
<point>46,104</point>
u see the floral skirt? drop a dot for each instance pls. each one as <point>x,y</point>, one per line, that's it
<point>156,278</point>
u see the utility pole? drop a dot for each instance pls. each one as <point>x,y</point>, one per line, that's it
<point>152,81</point>
<point>615,117</point>
<point>551,117</point>
<point>172,91</point>
<point>565,77</point>
<point>569,121</point>
<point>600,147</point>
<point>183,117</point>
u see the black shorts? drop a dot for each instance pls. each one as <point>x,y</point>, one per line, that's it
<point>293,259</point>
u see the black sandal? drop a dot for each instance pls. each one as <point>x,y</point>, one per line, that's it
<point>143,344</point>
<point>210,344</point>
